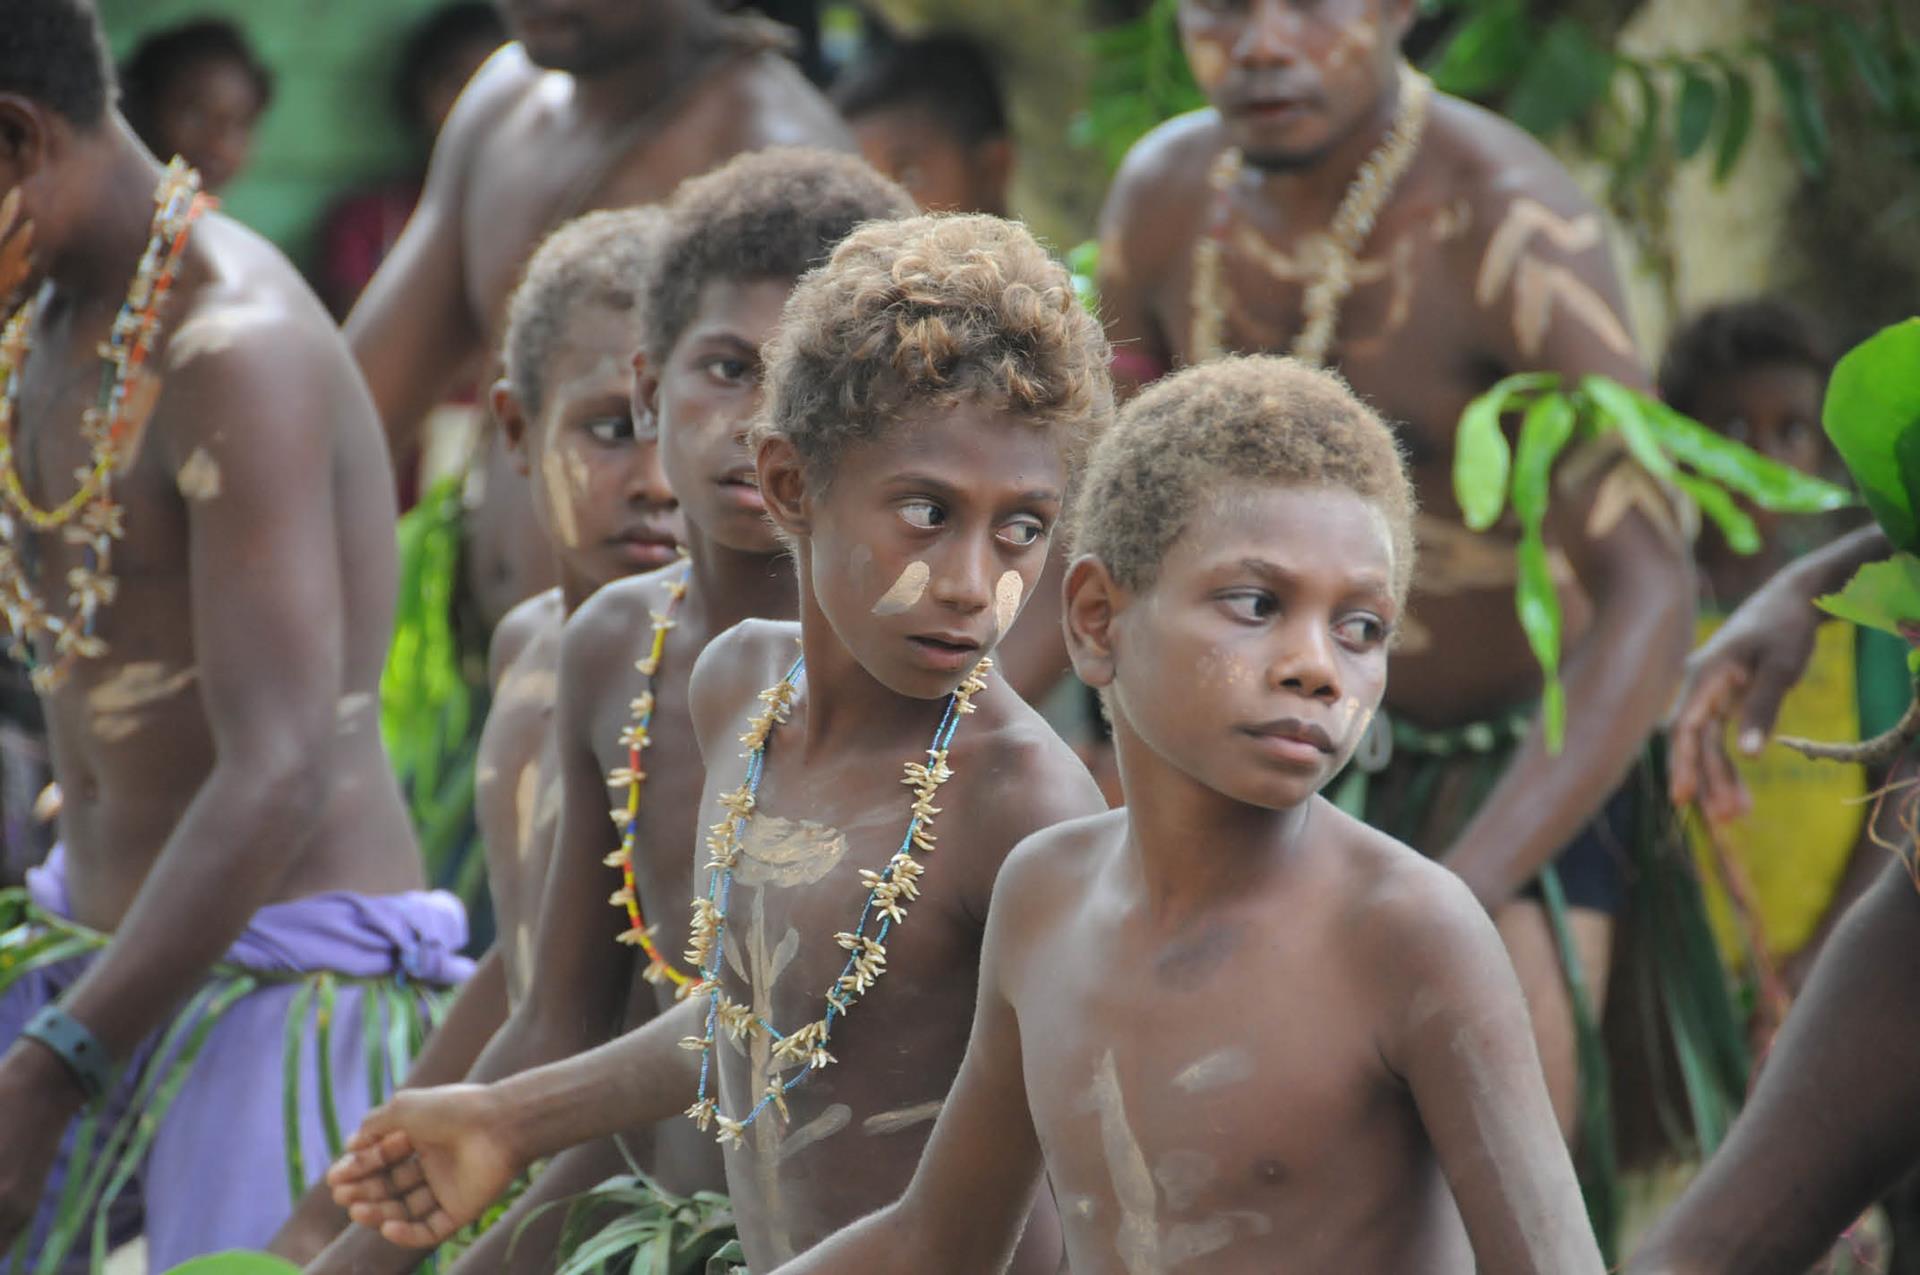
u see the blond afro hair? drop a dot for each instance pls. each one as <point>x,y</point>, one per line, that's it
<point>600,259</point>
<point>1257,418</point>
<point>934,311</point>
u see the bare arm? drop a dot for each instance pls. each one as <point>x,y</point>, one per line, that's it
<point>964,1208</point>
<point>1620,674</point>
<point>1134,244</point>
<point>413,328</point>
<point>1460,1038</point>
<point>1833,1121</point>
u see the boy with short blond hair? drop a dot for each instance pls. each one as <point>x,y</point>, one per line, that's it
<point>1238,1030</point>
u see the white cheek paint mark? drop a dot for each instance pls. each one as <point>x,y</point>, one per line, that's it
<point>199,478</point>
<point>1227,1067</point>
<point>906,591</point>
<point>1006,599</point>
<point>904,1118</point>
<point>565,527</point>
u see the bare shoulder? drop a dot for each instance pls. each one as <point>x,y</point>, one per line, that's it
<point>610,626</point>
<point>541,614</point>
<point>1420,938</point>
<point>502,82</point>
<point>1165,169</point>
<point>765,100</point>
<point>732,671</point>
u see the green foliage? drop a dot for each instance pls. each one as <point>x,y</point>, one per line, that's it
<point>237,1263</point>
<point>1548,72</point>
<point>628,1225</point>
<point>1881,595</point>
<point>1872,414</point>
<point>1140,78</point>
<point>1488,479</point>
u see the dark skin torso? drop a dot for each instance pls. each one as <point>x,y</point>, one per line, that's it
<point>857,1128</point>
<point>1187,1127</point>
<point>132,735</point>
<point>1410,338</point>
<point>519,156</point>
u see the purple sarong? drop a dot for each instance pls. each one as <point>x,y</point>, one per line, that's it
<point>216,1174</point>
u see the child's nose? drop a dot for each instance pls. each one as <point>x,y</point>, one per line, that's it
<point>1305,662</point>
<point>647,478</point>
<point>963,579</point>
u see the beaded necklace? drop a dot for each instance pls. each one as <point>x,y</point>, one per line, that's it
<point>888,892</point>
<point>636,740</point>
<point>90,517</point>
<point>1336,253</point>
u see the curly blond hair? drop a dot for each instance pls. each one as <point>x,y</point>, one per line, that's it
<point>1257,418</point>
<point>934,310</point>
<point>599,259</point>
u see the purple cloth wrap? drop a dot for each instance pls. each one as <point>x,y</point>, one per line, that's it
<point>215,1176</point>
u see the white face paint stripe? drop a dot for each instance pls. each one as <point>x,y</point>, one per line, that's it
<point>906,591</point>
<point>1006,600</point>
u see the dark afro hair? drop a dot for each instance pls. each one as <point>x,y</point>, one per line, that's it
<point>1258,418</point>
<point>52,52</point>
<point>436,42</point>
<point>166,55</point>
<point>947,76</point>
<point>934,311</point>
<point>1734,337</point>
<point>771,214</point>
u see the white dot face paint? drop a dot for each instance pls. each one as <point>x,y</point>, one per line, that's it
<point>1006,600</point>
<point>905,592</point>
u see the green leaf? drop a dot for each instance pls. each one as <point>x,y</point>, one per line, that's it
<point>1738,121</point>
<point>296,1039</point>
<point>1693,116</point>
<point>1806,127</point>
<point>1741,535</point>
<point>236,1263</point>
<point>1567,73</point>
<point>1487,53</point>
<point>1544,433</point>
<point>1880,595</point>
<point>1482,460</point>
<point>1620,407</point>
<point>1872,414</point>
<point>1876,73</point>
<point>1761,479</point>
<point>1647,133</point>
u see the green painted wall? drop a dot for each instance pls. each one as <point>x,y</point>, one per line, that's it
<point>331,126</point>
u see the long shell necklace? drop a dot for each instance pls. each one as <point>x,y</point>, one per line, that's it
<point>1337,251</point>
<point>91,517</point>
<point>889,890</point>
<point>636,739</point>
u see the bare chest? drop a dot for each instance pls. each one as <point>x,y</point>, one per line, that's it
<point>1206,1102</point>
<point>1403,334</point>
<point>517,799</point>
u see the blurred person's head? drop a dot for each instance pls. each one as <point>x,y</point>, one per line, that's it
<point>928,112</point>
<point>197,91</point>
<point>440,57</point>
<point>1756,371</point>
<point>588,36</point>
<point>1294,82</point>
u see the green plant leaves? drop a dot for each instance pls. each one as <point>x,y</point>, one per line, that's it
<point>1880,595</point>
<point>236,1263</point>
<point>1769,484</point>
<point>1566,74</point>
<point>1482,460</point>
<point>1872,414</point>
<point>1487,53</point>
<point>1806,126</point>
<point>1738,122</point>
<point>1545,431</point>
<point>1693,113</point>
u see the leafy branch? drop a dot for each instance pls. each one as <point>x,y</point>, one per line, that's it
<point>1491,475</point>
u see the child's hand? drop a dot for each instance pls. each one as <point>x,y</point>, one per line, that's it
<point>16,248</point>
<point>424,1165</point>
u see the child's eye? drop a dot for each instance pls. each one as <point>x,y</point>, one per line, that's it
<point>1251,605</point>
<point>730,371</point>
<point>611,429</point>
<point>1023,533</point>
<point>1361,631</point>
<point>923,514</point>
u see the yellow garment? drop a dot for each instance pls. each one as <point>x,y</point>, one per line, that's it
<point>1806,816</point>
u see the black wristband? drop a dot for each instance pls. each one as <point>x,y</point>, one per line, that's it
<point>75,1046</point>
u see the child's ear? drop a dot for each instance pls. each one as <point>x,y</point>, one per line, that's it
<point>645,391</point>
<point>1094,601</point>
<point>513,423</point>
<point>783,485</point>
